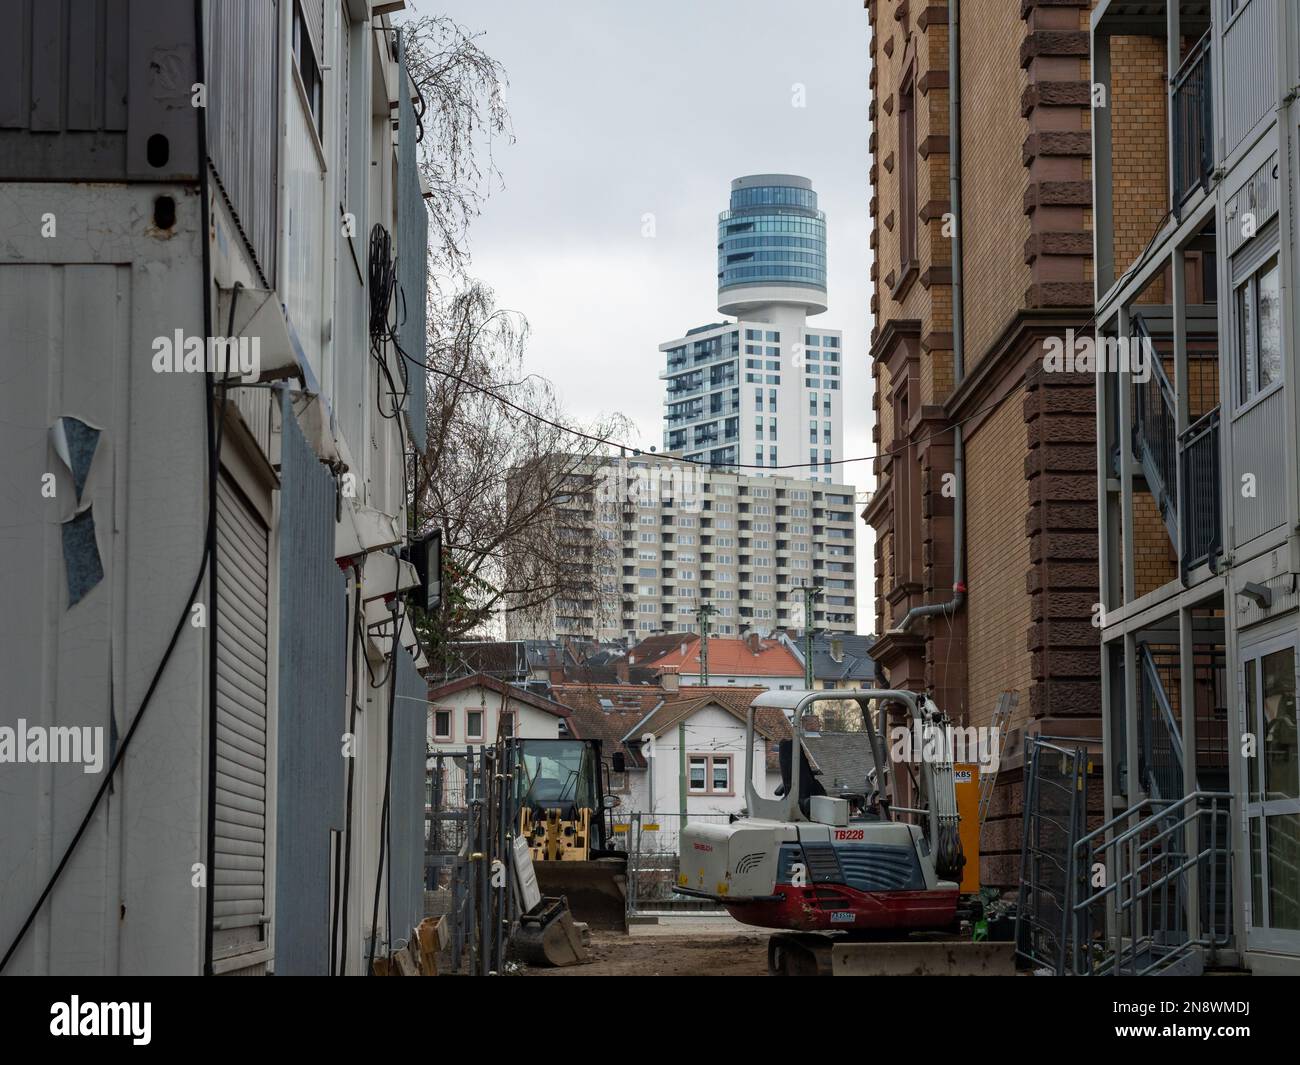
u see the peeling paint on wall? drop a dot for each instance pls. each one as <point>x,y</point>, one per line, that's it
<point>81,555</point>
<point>75,442</point>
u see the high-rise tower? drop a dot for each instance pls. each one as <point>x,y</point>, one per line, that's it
<point>763,390</point>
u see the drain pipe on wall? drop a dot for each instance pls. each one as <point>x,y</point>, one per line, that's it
<point>949,608</point>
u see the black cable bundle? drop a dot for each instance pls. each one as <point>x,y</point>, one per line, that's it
<point>382,268</point>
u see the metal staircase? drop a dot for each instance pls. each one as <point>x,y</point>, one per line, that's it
<point>1155,431</point>
<point>1150,891</point>
<point>1193,522</point>
<point>1138,872</point>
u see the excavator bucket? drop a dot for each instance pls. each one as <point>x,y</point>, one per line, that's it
<point>549,936</point>
<point>596,889</point>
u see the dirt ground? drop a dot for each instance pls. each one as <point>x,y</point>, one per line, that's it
<point>697,954</point>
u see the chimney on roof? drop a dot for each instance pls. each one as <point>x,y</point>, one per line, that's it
<point>631,660</point>
<point>752,639</point>
<point>669,679</point>
<point>683,648</point>
<point>837,649</point>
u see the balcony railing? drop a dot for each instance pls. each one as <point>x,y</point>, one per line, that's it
<point>1192,111</point>
<point>1198,451</point>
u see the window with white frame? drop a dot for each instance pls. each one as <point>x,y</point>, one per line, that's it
<point>441,724</point>
<point>709,774</point>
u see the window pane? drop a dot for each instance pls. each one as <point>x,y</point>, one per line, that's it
<point>1245,342</point>
<point>1283,885</point>
<point>1278,745</point>
<point>697,778</point>
<point>1256,874</point>
<point>1252,724</point>
<point>1268,324</point>
<point>442,723</point>
<point>721,774</point>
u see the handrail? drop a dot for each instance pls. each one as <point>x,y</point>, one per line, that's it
<point>1203,426</point>
<point>1151,871</point>
<point>1192,59</point>
<point>1162,702</point>
<point>1166,386</point>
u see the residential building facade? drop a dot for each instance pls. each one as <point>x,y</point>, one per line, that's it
<point>480,710</point>
<point>678,537</point>
<point>985,507</point>
<point>1198,478</point>
<point>683,749</point>
<point>763,390</point>
<point>189,585</point>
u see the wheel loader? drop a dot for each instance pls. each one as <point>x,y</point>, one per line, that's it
<point>564,818</point>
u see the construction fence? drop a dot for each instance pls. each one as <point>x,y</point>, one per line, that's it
<point>652,842</point>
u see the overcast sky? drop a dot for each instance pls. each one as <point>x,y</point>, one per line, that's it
<point>626,109</point>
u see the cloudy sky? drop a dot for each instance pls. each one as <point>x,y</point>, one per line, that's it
<point>623,110</point>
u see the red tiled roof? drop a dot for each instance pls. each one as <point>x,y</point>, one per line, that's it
<point>609,724</point>
<point>728,656</point>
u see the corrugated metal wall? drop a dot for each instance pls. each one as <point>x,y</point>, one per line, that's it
<point>241,44</point>
<point>412,261</point>
<point>1248,69</point>
<point>312,712</point>
<point>406,806</point>
<point>106,84</point>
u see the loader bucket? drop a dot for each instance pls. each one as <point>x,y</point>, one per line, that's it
<point>596,890</point>
<point>548,936</point>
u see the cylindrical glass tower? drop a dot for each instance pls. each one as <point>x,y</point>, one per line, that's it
<point>771,245</point>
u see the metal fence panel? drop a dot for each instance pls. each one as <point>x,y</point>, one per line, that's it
<point>312,705</point>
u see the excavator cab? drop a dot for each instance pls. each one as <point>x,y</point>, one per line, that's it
<point>805,860</point>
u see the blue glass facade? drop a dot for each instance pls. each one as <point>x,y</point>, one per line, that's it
<point>772,234</point>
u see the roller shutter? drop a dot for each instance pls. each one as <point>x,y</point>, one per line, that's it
<point>239,874</point>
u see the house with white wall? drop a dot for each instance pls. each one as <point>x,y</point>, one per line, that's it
<point>683,748</point>
<point>479,709</point>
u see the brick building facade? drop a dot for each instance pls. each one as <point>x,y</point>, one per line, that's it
<point>1029,436</point>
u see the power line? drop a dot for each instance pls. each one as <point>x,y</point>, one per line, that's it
<point>720,467</point>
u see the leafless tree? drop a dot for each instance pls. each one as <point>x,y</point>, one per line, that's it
<point>507,473</point>
<point>463,114</point>
<point>510,481</point>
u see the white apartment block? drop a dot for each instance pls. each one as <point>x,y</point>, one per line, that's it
<point>676,537</point>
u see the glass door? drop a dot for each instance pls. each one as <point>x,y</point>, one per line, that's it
<point>1269,683</point>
